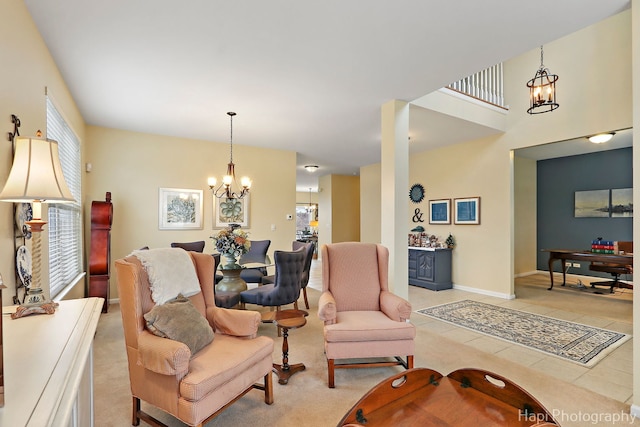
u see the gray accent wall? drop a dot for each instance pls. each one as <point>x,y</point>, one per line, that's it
<point>557,181</point>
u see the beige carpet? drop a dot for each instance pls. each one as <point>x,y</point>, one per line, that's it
<point>307,401</point>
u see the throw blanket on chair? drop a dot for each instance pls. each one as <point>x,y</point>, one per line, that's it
<point>170,272</point>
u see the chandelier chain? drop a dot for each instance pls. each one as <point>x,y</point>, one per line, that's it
<point>231,114</point>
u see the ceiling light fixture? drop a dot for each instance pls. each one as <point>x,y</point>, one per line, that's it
<point>225,190</point>
<point>601,137</point>
<point>542,90</point>
<point>311,168</point>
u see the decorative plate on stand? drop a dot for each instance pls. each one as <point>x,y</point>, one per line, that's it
<point>23,265</point>
<point>24,213</point>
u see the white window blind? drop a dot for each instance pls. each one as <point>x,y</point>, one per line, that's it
<point>65,225</point>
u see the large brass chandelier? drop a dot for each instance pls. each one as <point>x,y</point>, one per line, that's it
<point>229,188</point>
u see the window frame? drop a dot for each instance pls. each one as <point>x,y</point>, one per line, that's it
<point>65,229</point>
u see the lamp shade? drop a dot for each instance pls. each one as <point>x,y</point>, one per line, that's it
<point>36,173</point>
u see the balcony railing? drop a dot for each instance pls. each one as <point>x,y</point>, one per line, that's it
<point>486,85</point>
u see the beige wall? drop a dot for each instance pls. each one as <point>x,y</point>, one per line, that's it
<point>304,197</point>
<point>370,202</point>
<point>28,69</point>
<point>345,211</point>
<point>339,209</point>
<point>133,166</point>
<point>525,205</point>
<point>472,169</point>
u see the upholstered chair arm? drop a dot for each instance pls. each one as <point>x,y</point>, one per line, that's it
<point>327,308</point>
<point>238,323</point>
<point>395,307</point>
<point>163,355</point>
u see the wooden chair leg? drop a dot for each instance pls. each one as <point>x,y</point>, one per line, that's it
<point>409,362</point>
<point>279,329</point>
<point>268,389</point>
<point>135,420</point>
<point>306,300</point>
<point>331,370</point>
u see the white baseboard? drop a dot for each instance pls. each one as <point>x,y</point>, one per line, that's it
<point>635,411</point>
<point>484,292</point>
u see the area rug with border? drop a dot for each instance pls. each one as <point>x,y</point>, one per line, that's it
<point>583,344</point>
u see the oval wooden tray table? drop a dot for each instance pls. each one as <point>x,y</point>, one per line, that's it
<point>466,397</point>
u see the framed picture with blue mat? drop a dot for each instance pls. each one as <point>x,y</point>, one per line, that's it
<point>440,211</point>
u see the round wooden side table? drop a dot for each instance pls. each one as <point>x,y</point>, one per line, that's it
<point>287,319</point>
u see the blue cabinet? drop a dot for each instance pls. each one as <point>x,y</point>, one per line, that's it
<point>430,268</point>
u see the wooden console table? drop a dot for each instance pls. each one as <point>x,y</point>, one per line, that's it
<point>467,397</point>
<point>576,255</point>
<point>48,366</point>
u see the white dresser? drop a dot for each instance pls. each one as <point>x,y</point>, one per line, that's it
<point>48,366</point>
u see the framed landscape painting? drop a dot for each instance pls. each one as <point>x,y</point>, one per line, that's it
<point>622,203</point>
<point>467,210</point>
<point>591,204</point>
<point>440,211</point>
<point>179,209</point>
<point>230,211</point>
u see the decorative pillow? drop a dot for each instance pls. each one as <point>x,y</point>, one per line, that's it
<point>179,320</point>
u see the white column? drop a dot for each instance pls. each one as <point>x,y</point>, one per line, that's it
<point>395,192</point>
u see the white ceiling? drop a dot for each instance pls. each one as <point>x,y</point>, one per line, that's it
<point>301,75</point>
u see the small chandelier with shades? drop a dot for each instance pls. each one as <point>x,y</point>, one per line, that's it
<point>226,188</point>
<point>542,90</point>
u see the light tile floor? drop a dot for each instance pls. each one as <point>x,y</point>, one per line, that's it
<point>611,377</point>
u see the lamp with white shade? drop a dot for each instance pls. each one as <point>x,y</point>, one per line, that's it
<point>36,177</point>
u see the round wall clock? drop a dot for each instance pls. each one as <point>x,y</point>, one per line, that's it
<point>416,194</point>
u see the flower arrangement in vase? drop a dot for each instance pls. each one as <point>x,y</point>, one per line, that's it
<point>232,242</point>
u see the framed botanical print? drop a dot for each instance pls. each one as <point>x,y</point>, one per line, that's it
<point>179,209</point>
<point>230,211</point>
<point>466,210</point>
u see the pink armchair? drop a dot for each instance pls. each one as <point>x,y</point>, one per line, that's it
<point>362,319</point>
<point>192,387</point>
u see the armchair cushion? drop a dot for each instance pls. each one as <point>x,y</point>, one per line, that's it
<point>367,326</point>
<point>227,360</point>
<point>179,320</point>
